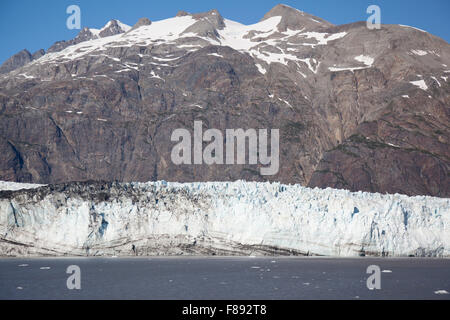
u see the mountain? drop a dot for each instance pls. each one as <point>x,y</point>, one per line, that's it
<point>357,109</point>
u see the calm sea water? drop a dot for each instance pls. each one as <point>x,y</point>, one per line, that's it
<point>223,278</point>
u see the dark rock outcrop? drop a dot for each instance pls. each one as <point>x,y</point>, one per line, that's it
<point>16,61</point>
<point>38,54</point>
<point>141,22</point>
<point>111,29</point>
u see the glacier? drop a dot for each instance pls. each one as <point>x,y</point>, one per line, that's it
<point>217,218</point>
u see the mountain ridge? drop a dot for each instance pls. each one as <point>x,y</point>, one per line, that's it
<point>357,109</point>
<point>289,16</point>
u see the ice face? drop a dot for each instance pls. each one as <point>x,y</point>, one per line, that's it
<point>233,218</point>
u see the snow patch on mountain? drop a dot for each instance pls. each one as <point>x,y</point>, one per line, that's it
<point>323,38</point>
<point>215,55</point>
<point>261,69</point>
<point>311,63</point>
<point>419,52</point>
<point>405,26</point>
<point>26,76</point>
<point>421,84</point>
<point>368,61</point>
<point>437,81</point>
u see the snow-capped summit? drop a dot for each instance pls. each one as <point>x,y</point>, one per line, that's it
<point>206,24</point>
<point>86,34</point>
<point>112,28</point>
<point>295,19</point>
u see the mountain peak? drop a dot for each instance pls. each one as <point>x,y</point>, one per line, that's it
<point>182,13</point>
<point>207,24</point>
<point>208,15</point>
<point>295,19</point>
<point>141,22</point>
<point>16,61</point>
<point>85,34</point>
<point>281,10</point>
<point>112,28</point>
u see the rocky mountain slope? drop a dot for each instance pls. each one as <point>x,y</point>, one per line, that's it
<point>357,109</point>
<point>221,218</point>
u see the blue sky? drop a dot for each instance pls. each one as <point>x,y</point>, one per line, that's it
<point>35,24</point>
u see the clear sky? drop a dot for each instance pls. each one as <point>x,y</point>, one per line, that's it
<point>33,24</point>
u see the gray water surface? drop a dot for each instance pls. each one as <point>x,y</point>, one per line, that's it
<point>210,278</point>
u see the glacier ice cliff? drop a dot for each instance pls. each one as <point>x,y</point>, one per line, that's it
<point>222,218</point>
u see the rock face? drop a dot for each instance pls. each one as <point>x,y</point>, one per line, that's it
<point>112,28</point>
<point>141,22</point>
<point>357,109</point>
<point>16,61</point>
<point>293,19</point>
<point>37,54</point>
<point>228,218</point>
